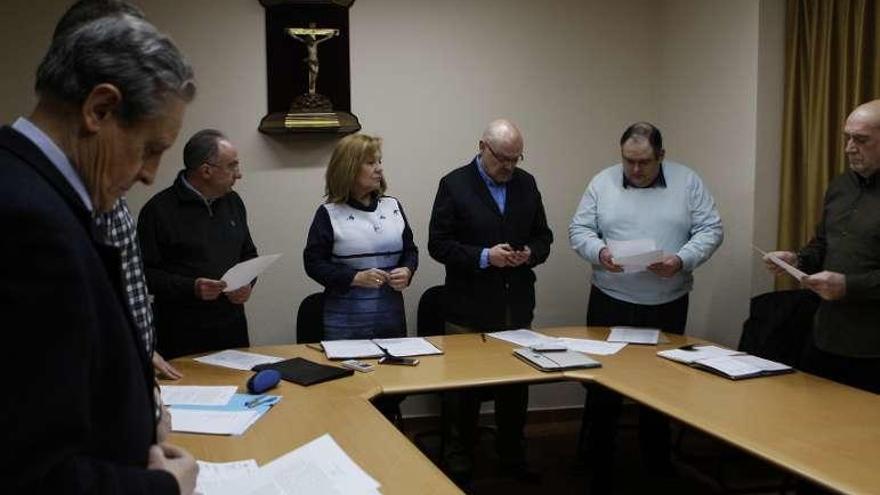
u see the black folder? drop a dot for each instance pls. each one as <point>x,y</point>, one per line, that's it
<point>304,372</point>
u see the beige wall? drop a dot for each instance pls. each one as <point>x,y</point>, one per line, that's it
<point>427,76</point>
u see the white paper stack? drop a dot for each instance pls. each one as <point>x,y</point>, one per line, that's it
<point>634,335</point>
<point>212,422</point>
<point>318,467</point>
<point>192,395</point>
<point>237,360</point>
<point>523,337</point>
<point>590,346</point>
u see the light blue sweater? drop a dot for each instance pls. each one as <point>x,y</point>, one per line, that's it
<point>681,218</point>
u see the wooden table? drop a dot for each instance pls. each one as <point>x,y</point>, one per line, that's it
<point>818,429</point>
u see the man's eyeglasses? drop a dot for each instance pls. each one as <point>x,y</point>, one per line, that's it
<point>229,168</point>
<point>504,159</point>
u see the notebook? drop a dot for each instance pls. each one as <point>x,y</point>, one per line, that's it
<point>304,372</point>
<point>742,366</point>
<point>555,361</point>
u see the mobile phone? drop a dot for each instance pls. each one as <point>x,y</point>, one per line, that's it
<point>517,246</point>
<point>354,364</point>
<point>402,361</point>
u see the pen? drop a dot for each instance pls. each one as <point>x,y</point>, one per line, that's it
<point>258,401</point>
<point>689,347</point>
<point>317,347</point>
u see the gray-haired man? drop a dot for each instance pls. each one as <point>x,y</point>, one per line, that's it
<point>112,93</point>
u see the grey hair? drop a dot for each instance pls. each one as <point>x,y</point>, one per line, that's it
<point>202,147</point>
<point>125,51</point>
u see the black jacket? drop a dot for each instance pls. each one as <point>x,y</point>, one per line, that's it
<point>182,239</point>
<point>464,220</point>
<point>78,413</point>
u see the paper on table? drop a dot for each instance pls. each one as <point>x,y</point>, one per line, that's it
<point>589,346</point>
<point>408,346</point>
<point>243,273</point>
<point>522,337</point>
<point>211,422</point>
<point>318,467</point>
<point>237,360</point>
<point>635,255</point>
<point>213,475</point>
<point>699,352</point>
<point>196,395</point>
<point>350,349</point>
<point>794,272</point>
<point>634,335</point>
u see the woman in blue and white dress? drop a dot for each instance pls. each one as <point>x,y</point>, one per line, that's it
<point>360,246</point>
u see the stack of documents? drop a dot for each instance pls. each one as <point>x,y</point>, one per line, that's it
<point>214,410</point>
<point>237,360</point>
<point>359,349</point>
<point>633,335</point>
<point>529,338</point>
<point>727,363</point>
<point>213,475</point>
<point>555,361</point>
<point>634,256</point>
<point>318,467</point>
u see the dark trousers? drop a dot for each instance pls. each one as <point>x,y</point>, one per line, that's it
<point>602,406</point>
<point>461,414</point>
<point>863,373</point>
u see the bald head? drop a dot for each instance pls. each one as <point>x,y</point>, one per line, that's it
<point>862,131</point>
<point>501,149</point>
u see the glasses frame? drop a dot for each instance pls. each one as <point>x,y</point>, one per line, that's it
<point>510,161</point>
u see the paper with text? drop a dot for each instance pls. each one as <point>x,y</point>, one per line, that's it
<point>589,346</point>
<point>196,395</point>
<point>634,255</point>
<point>237,360</point>
<point>212,422</point>
<point>213,475</point>
<point>634,335</point>
<point>522,337</point>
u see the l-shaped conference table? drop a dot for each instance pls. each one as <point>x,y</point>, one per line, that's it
<point>815,428</point>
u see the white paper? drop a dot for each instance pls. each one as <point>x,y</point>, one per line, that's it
<point>245,272</point>
<point>762,364</point>
<point>196,395</point>
<point>589,346</point>
<point>318,467</point>
<point>635,255</point>
<point>731,366</point>
<point>212,422</point>
<point>237,360</point>
<point>408,346</point>
<point>794,272</point>
<point>699,352</point>
<point>522,337</point>
<point>634,335</point>
<point>350,349</point>
<point>212,475</point>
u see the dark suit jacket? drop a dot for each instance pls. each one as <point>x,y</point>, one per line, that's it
<point>464,220</point>
<point>78,412</point>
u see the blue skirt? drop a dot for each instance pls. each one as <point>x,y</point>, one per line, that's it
<point>362,313</point>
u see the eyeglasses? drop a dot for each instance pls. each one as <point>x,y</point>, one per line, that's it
<point>503,159</point>
<point>229,168</point>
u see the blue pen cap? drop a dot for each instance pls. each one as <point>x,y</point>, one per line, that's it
<point>263,380</point>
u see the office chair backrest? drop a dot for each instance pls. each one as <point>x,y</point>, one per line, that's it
<point>779,325</point>
<point>310,319</point>
<point>431,317</point>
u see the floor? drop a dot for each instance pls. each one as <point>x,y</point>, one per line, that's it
<point>703,465</point>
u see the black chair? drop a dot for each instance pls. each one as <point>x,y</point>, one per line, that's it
<point>310,319</point>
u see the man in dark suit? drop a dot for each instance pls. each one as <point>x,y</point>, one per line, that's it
<point>489,229</point>
<point>111,97</point>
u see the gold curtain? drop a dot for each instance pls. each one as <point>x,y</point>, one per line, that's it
<point>831,67</point>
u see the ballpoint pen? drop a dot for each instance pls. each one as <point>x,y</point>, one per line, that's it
<point>258,401</point>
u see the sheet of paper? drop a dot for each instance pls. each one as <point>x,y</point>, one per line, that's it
<point>794,272</point>
<point>211,422</point>
<point>196,395</point>
<point>318,467</point>
<point>408,346</point>
<point>350,349</point>
<point>699,352</point>
<point>245,272</point>
<point>634,335</point>
<point>589,346</point>
<point>237,360</point>
<point>634,255</point>
<point>763,364</point>
<point>522,337</point>
<point>730,366</point>
<point>212,475</point>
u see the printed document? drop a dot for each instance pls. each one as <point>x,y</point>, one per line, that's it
<point>245,272</point>
<point>193,395</point>
<point>635,255</point>
<point>237,360</point>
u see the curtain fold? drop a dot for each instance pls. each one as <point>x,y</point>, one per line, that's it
<point>831,67</point>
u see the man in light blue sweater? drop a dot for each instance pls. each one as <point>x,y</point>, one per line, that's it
<point>641,198</point>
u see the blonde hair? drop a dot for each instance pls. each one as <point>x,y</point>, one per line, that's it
<point>350,153</point>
